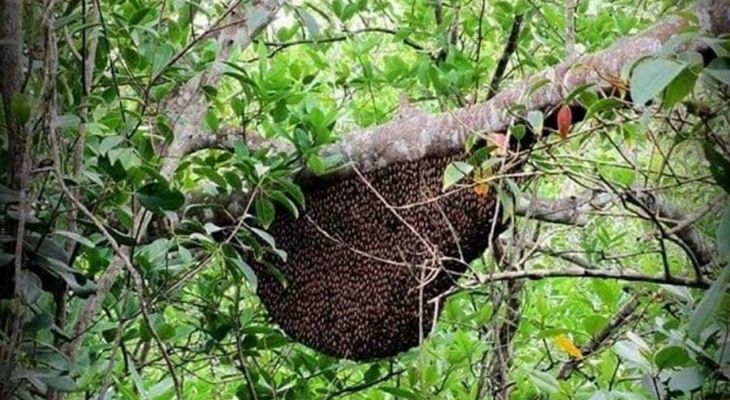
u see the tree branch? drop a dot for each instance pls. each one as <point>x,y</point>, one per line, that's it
<point>509,49</point>
<point>11,80</point>
<point>625,275</point>
<point>591,347</point>
<point>186,129</point>
<point>572,210</point>
<point>442,134</point>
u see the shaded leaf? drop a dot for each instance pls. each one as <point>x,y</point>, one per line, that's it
<point>705,311</point>
<point>652,76</point>
<point>157,197</point>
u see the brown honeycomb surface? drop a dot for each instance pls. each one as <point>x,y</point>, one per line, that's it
<point>354,264</point>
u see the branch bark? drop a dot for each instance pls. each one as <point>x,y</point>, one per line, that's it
<point>11,80</point>
<point>600,338</point>
<point>625,275</point>
<point>422,136</point>
<point>573,210</point>
<point>187,108</point>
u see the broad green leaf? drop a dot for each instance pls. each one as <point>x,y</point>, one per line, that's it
<point>61,383</point>
<point>686,380</point>
<point>157,197</point>
<point>75,237</point>
<point>631,353</point>
<point>719,166</point>
<point>66,121</point>
<point>235,259</point>
<point>603,105</point>
<point>109,143</point>
<point>652,76</point>
<point>294,191</point>
<point>680,87</point>
<point>544,381</point>
<point>30,286</point>
<point>212,121</point>
<point>455,172</point>
<point>264,212</point>
<point>705,311</point>
<point>241,150</point>
<point>310,23</point>
<point>719,69</point>
<point>316,165</point>
<point>280,198</point>
<point>671,357</point>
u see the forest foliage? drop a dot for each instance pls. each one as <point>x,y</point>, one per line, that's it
<point>182,319</point>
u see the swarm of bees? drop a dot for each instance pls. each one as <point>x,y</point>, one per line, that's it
<point>371,255</point>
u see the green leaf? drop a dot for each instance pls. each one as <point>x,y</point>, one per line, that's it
<point>723,234</point>
<point>671,357</point>
<point>316,165</point>
<point>37,323</point>
<point>66,121</point>
<point>399,393</point>
<point>544,381</point>
<point>241,150</point>
<point>603,105</point>
<point>8,195</point>
<point>20,108</point>
<point>686,380</point>
<point>719,69</point>
<point>76,238</point>
<point>705,311</point>
<point>212,121</point>
<point>536,120</point>
<point>455,172</point>
<point>109,143</point>
<point>280,198</point>
<point>264,212</point>
<point>235,260</point>
<point>310,23</point>
<point>652,76</point>
<point>631,353</point>
<point>680,87</point>
<point>294,191</point>
<point>30,286</point>
<point>61,383</point>
<point>719,166</point>
<point>157,197</point>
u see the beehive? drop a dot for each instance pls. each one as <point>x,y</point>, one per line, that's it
<point>354,262</point>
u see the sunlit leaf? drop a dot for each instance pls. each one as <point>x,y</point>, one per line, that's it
<point>564,343</point>
<point>544,381</point>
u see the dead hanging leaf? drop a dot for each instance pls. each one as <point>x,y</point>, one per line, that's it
<point>499,142</point>
<point>564,343</point>
<point>481,176</point>
<point>565,119</point>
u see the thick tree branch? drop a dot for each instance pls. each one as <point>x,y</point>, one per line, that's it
<point>11,80</point>
<point>187,108</point>
<point>422,136</point>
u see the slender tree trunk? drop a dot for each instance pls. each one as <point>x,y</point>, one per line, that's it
<point>11,80</point>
